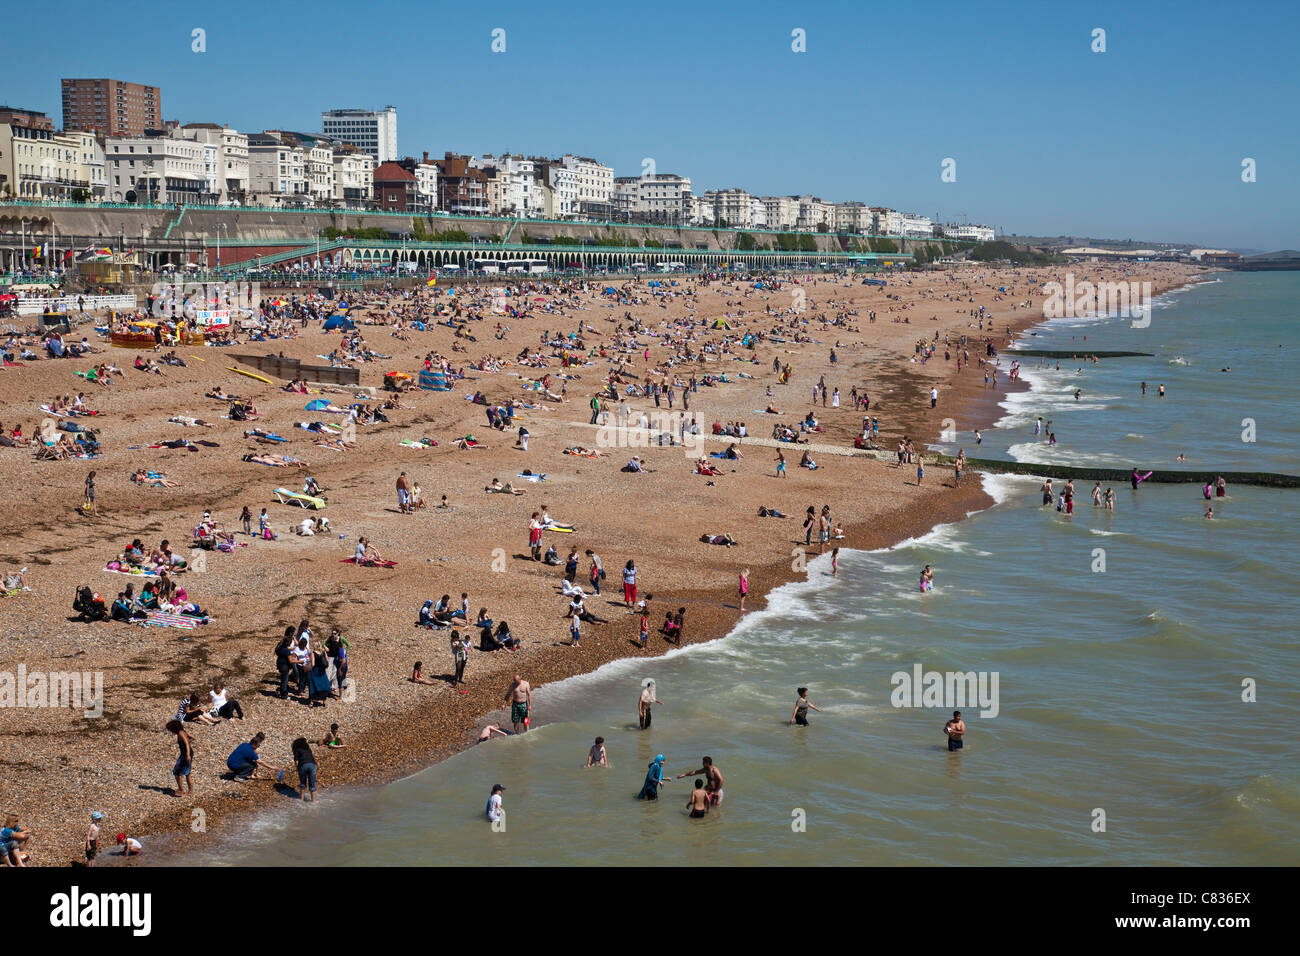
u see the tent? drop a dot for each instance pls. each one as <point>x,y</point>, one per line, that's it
<point>337,321</point>
<point>720,324</point>
<point>434,381</point>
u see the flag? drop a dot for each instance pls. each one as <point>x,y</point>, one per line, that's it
<point>432,281</point>
<point>67,255</point>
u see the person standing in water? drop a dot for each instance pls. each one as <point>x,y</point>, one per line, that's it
<point>520,698</point>
<point>714,777</point>
<point>494,811</point>
<point>956,730</point>
<point>801,707</point>
<point>698,801</point>
<point>744,588</point>
<point>654,779</point>
<point>645,703</point>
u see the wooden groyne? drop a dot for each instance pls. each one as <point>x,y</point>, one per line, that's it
<point>1075,353</point>
<point>288,368</point>
<point>1263,479</point>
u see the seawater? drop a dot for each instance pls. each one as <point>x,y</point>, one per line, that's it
<point>1120,690</point>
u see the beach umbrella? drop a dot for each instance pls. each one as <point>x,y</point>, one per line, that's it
<point>317,405</point>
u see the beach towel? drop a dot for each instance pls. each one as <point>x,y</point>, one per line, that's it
<point>137,573</point>
<point>377,564</point>
<point>167,619</point>
<point>532,477</point>
<point>411,443</point>
<point>561,528</point>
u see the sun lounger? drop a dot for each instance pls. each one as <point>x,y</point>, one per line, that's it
<point>287,497</point>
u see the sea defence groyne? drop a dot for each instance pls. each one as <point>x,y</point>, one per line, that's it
<point>1263,479</point>
<point>292,369</point>
<point>1076,353</point>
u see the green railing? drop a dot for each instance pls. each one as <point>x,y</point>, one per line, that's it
<point>307,246</point>
<point>448,218</point>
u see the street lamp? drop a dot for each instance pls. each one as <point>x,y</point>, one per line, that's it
<point>22,238</point>
<point>220,226</point>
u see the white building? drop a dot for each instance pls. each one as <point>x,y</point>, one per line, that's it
<point>373,132</point>
<point>515,189</point>
<point>320,172</point>
<point>563,189</point>
<point>426,184</point>
<point>781,212</point>
<point>595,186</point>
<point>971,231</point>
<point>159,168</point>
<point>757,213</point>
<point>853,217</point>
<point>732,207</point>
<point>354,177</point>
<point>665,197</point>
<point>814,213</point>
<point>914,225</point>
<point>232,157</point>
<point>277,171</point>
<point>701,213</point>
<point>887,222</point>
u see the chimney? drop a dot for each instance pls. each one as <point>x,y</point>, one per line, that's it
<point>426,155</point>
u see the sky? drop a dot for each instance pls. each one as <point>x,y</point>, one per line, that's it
<point>1145,140</point>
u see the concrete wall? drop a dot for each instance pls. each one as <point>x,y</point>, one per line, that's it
<point>199,225</point>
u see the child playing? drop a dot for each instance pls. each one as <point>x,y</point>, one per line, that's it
<point>92,838</point>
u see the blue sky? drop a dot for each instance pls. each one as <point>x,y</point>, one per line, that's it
<point>1145,140</point>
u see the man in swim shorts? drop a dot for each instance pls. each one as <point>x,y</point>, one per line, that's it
<point>403,494</point>
<point>520,697</point>
<point>698,802</point>
<point>956,730</point>
<point>714,777</point>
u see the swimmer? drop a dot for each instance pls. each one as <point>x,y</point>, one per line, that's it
<point>698,801</point>
<point>801,707</point>
<point>596,756</point>
<point>956,730</point>
<point>489,730</point>
<point>714,776</point>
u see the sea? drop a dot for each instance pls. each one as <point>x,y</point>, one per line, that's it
<point>1140,684</point>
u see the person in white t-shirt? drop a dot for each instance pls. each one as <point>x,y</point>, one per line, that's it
<point>495,812</point>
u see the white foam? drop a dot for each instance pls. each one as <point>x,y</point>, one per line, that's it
<point>1001,488</point>
<point>1041,453</point>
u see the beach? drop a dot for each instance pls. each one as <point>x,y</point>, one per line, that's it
<point>61,765</point>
